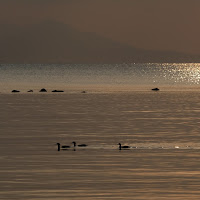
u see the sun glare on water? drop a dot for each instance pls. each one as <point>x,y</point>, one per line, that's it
<point>186,73</point>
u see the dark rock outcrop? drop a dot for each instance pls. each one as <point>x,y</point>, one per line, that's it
<point>15,91</point>
<point>57,91</point>
<point>155,89</point>
<point>43,90</point>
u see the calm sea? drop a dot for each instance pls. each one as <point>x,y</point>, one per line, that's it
<point>123,77</point>
<point>161,128</point>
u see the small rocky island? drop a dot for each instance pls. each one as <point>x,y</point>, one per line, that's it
<point>57,91</point>
<point>155,89</point>
<point>15,91</point>
<point>43,90</point>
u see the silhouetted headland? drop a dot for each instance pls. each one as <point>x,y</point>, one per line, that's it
<point>14,91</point>
<point>57,91</point>
<point>43,90</point>
<point>123,147</point>
<point>155,89</point>
<point>79,145</point>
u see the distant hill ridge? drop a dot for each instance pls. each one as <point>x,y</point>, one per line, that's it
<point>52,42</point>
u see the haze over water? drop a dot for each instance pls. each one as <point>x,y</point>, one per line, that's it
<point>119,106</point>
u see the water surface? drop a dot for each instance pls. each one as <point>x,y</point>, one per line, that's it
<point>164,126</point>
<point>107,77</point>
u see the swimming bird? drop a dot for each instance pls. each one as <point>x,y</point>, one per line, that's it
<point>123,147</point>
<point>63,147</point>
<point>80,145</point>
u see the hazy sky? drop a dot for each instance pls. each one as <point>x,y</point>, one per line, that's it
<point>149,24</point>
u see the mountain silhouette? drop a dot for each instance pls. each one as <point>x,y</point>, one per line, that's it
<point>53,42</point>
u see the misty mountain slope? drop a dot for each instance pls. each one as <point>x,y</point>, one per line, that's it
<point>52,42</point>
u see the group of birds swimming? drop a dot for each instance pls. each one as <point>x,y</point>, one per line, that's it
<point>65,147</point>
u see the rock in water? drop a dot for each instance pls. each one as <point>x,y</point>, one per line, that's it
<point>14,91</point>
<point>43,90</point>
<point>57,91</point>
<point>155,89</point>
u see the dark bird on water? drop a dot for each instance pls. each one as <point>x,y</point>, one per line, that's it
<point>123,147</point>
<point>64,147</point>
<point>80,145</point>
